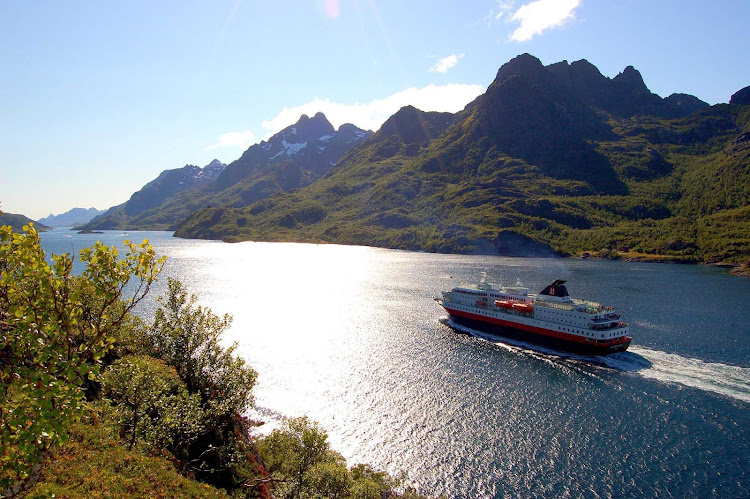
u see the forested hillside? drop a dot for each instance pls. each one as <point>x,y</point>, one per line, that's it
<point>549,160</point>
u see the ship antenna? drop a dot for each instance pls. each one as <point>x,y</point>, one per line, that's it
<point>484,276</point>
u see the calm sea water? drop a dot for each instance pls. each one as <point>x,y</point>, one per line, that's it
<point>352,337</point>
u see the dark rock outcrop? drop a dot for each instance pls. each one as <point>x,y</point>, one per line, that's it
<point>625,95</point>
<point>741,97</point>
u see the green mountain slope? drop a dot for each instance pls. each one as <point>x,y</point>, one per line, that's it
<point>530,167</point>
<point>17,222</point>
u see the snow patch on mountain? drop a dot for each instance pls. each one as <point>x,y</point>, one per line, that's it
<point>276,155</point>
<point>293,148</point>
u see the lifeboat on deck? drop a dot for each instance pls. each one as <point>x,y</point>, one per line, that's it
<point>503,304</point>
<point>523,307</point>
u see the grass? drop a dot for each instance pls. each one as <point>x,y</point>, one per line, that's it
<point>93,463</point>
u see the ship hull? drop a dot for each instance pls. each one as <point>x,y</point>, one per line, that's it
<point>533,335</point>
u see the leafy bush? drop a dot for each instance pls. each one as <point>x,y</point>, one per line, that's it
<point>187,337</point>
<point>54,334</point>
<point>302,465</point>
<point>153,404</point>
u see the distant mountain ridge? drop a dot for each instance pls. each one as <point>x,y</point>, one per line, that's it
<point>172,182</point>
<point>551,159</point>
<point>167,185</point>
<point>292,158</point>
<point>70,218</point>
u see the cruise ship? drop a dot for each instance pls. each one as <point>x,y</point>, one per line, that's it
<point>550,317</point>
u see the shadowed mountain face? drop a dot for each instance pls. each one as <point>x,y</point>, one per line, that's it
<point>528,113</point>
<point>549,160</point>
<point>741,97</point>
<point>625,95</point>
<point>171,182</point>
<point>293,158</point>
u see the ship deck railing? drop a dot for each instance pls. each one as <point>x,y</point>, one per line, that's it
<point>606,318</point>
<point>548,304</point>
<point>605,327</point>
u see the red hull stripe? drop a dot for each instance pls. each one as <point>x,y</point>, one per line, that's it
<point>538,330</point>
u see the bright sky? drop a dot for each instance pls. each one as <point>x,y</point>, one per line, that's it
<point>97,98</point>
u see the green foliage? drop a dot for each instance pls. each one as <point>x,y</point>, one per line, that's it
<point>187,337</point>
<point>290,453</point>
<point>153,404</point>
<point>217,390</point>
<point>302,465</point>
<point>55,331</point>
<point>169,391</point>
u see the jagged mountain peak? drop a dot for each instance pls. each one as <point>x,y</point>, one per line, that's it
<point>305,129</point>
<point>631,79</point>
<point>215,164</point>
<point>523,65</point>
<point>577,72</point>
<point>293,157</point>
<point>624,95</point>
<point>583,79</point>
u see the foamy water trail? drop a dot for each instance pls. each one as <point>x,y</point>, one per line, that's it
<point>722,379</point>
<point>732,381</point>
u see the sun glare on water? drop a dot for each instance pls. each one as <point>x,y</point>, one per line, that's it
<point>300,302</point>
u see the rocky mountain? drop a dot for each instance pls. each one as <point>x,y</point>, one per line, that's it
<point>551,159</point>
<point>625,95</point>
<point>70,218</point>
<point>293,158</point>
<point>171,182</point>
<point>167,185</point>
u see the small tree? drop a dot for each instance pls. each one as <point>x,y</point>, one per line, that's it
<point>188,337</point>
<point>54,329</point>
<point>153,403</point>
<point>292,451</point>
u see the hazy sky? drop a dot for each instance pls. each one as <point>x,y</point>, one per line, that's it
<point>97,98</point>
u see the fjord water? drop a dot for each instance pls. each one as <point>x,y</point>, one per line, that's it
<point>351,337</point>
